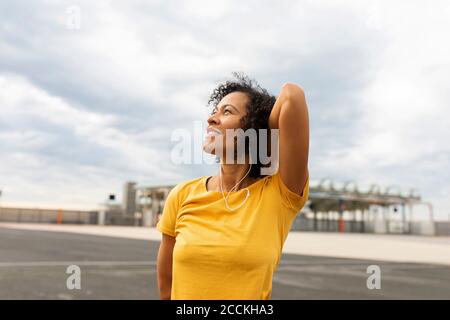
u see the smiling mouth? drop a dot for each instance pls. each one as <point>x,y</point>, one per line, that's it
<point>212,132</point>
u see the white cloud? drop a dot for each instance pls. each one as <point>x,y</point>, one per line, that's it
<point>42,161</point>
<point>88,109</point>
<point>401,134</point>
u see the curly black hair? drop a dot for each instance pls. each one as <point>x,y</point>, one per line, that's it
<point>259,107</point>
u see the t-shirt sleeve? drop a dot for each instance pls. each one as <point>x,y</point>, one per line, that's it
<point>289,198</point>
<point>167,222</point>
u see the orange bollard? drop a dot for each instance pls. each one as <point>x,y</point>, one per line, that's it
<point>341,224</point>
<point>59,217</point>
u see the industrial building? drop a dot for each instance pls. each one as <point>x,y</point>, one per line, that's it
<point>331,208</point>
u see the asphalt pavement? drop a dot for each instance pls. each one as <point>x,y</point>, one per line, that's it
<point>33,265</point>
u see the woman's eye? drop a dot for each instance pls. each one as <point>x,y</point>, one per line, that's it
<point>226,110</point>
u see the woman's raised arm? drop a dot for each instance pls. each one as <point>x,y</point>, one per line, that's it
<point>290,116</point>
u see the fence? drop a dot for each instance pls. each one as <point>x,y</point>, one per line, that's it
<point>30,215</point>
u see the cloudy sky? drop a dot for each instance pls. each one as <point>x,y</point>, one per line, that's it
<point>91,91</point>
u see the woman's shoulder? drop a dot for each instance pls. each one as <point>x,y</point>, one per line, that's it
<point>188,186</point>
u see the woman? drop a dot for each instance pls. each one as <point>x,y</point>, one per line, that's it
<point>222,236</point>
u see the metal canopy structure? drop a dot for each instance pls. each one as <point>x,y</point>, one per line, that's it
<point>327,197</point>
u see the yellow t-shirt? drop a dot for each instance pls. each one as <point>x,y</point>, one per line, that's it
<point>222,254</point>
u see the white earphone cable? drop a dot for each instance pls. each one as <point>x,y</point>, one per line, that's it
<point>235,186</point>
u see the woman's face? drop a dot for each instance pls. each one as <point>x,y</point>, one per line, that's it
<point>227,115</point>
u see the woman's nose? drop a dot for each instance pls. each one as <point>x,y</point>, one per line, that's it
<point>212,119</point>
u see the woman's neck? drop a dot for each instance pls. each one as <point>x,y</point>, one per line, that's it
<point>231,174</point>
